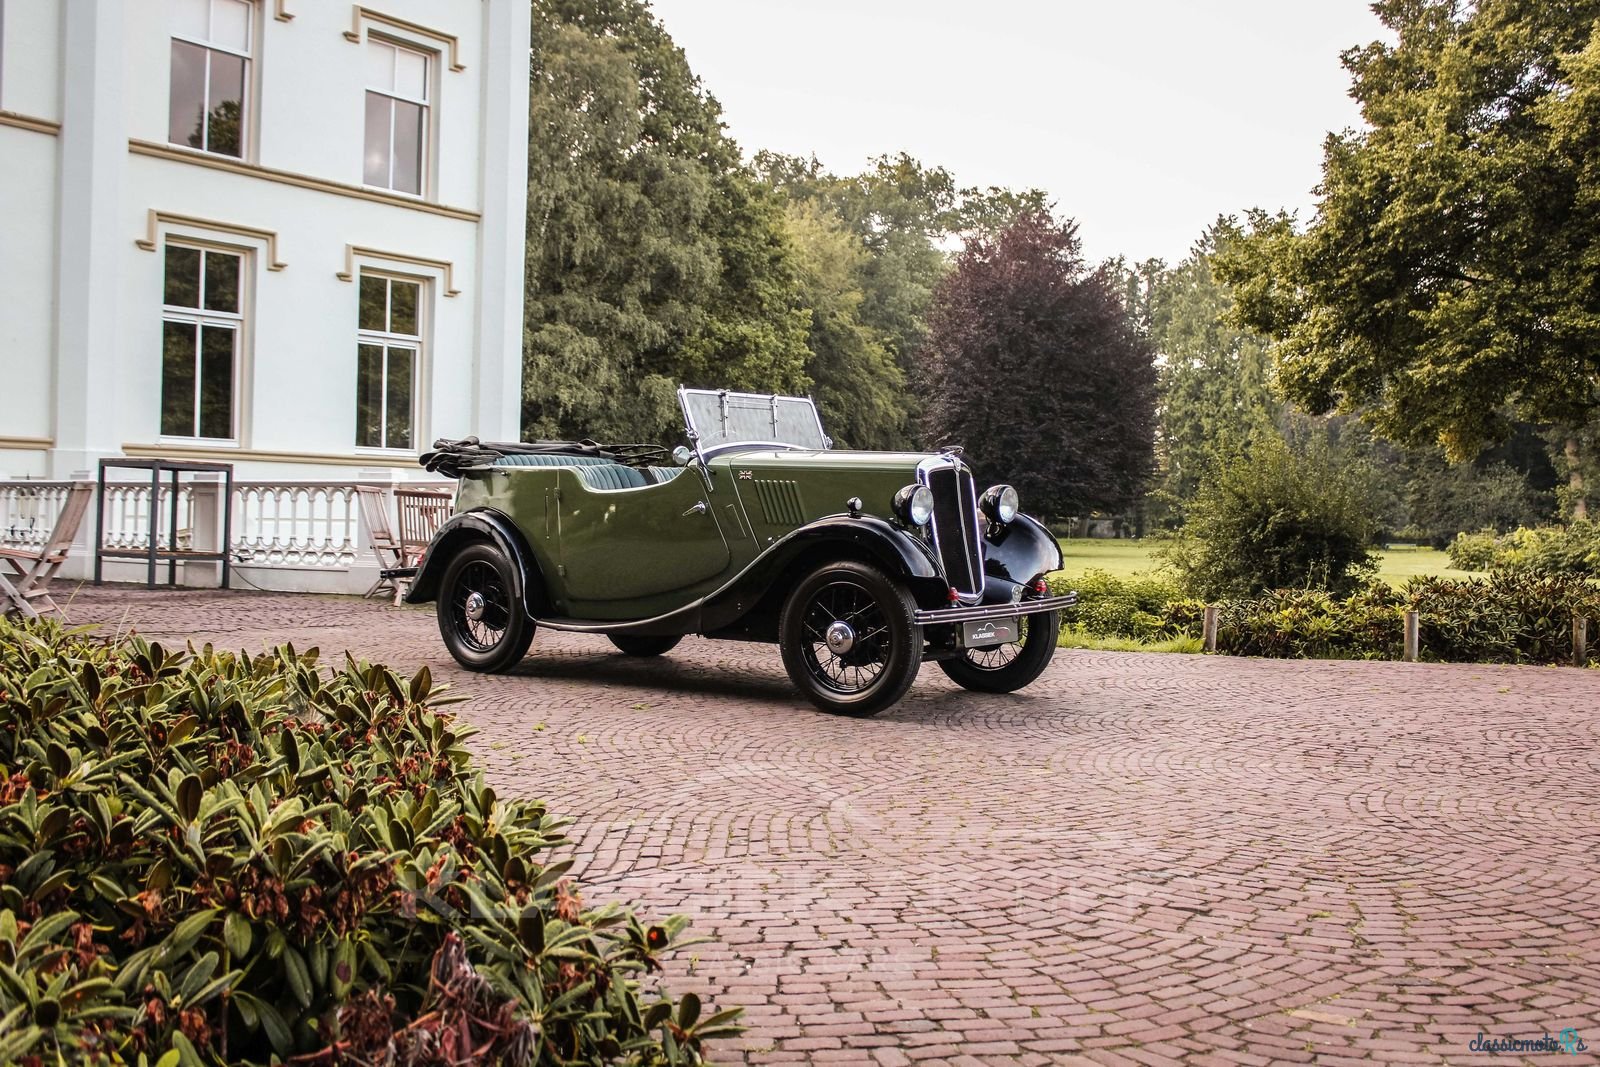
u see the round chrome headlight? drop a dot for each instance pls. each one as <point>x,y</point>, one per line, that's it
<point>999,502</point>
<point>914,504</point>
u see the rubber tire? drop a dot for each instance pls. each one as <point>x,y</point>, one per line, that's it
<point>1037,648</point>
<point>638,645</point>
<point>905,657</point>
<point>519,629</point>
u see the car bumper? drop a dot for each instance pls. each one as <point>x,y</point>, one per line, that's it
<point>979,612</point>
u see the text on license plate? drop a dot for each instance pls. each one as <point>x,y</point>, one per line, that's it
<point>988,632</point>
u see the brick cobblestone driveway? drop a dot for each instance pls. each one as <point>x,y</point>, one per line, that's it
<point>1142,859</point>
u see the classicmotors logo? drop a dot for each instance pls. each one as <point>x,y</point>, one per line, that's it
<point>1567,1041</point>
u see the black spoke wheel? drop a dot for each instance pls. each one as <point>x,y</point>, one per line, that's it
<point>849,639</point>
<point>482,624</point>
<point>1008,667</point>
<point>637,645</point>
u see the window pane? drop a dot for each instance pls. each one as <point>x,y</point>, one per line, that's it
<point>187,106</point>
<point>222,282</point>
<point>183,277</point>
<point>230,24</point>
<point>401,362</point>
<point>403,308</point>
<point>225,126</point>
<point>177,378</point>
<point>369,396</point>
<point>379,62</point>
<point>191,18</point>
<point>408,147</point>
<point>373,293</point>
<point>376,171</point>
<point>411,74</point>
<point>216,381</point>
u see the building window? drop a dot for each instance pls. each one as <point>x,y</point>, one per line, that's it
<point>210,75</point>
<point>388,354</point>
<point>397,117</point>
<point>201,320</point>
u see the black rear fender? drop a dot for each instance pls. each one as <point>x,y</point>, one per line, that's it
<point>483,524</point>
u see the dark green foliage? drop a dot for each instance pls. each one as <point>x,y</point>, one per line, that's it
<point>1272,517</point>
<point>1447,284</point>
<point>1570,549</point>
<point>209,858</point>
<point>1507,618</point>
<point>653,256</point>
<point>1033,364</point>
<point>1308,624</point>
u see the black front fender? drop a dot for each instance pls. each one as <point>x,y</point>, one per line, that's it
<point>1016,554</point>
<point>483,524</point>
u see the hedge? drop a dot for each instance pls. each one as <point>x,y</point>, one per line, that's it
<point>215,858</point>
<point>1508,617</point>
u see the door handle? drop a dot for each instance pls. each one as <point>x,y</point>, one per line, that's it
<point>698,509</point>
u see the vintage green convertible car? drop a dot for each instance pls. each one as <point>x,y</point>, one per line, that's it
<point>858,565</point>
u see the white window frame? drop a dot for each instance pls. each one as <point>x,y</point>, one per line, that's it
<point>425,149</point>
<point>387,339</point>
<point>247,105</point>
<point>200,317</point>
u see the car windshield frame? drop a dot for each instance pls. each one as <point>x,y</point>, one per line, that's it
<point>719,420</point>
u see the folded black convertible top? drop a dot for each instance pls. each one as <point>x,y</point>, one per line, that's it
<point>450,458</point>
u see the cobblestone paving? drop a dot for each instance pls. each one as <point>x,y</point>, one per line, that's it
<point>1141,860</point>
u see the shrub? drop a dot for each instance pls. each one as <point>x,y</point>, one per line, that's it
<point>1274,518</point>
<point>1311,624</point>
<point>1507,618</point>
<point>1109,606</point>
<point>1571,549</point>
<point>210,858</point>
<point>1475,551</point>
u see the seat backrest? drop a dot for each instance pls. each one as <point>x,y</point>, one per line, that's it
<point>550,459</point>
<point>613,476</point>
<point>375,513</point>
<point>665,474</point>
<point>422,512</point>
<point>67,523</point>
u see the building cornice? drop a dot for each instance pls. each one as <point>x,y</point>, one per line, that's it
<point>28,122</point>
<point>252,455</point>
<point>26,443</point>
<point>354,252</point>
<point>363,15</point>
<point>301,181</point>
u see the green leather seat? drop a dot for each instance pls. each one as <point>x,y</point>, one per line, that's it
<point>610,476</point>
<point>549,459</point>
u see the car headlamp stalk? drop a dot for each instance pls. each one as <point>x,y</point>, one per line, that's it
<point>999,503</point>
<point>914,505</point>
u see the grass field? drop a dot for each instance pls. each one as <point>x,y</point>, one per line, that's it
<point>1123,558</point>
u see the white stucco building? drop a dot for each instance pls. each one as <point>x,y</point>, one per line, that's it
<point>283,233</point>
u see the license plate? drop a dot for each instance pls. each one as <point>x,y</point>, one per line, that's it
<point>988,632</point>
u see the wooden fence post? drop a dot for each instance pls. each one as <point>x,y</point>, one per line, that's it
<point>1209,630</point>
<point>1580,641</point>
<point>1413,636</point>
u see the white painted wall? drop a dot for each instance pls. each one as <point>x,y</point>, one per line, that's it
<point>76,203</point>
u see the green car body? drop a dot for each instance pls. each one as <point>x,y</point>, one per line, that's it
<point>715,545</point>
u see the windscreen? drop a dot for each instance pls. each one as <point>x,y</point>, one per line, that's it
<point>722,418</point>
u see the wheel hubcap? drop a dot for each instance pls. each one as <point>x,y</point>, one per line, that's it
<point>840,637</point>
<point>474,606</point>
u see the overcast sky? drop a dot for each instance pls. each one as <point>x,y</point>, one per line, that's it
<point>1144,119</point>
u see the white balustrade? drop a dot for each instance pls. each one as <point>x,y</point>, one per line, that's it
<point>296,524</point>
<point>28,511</point>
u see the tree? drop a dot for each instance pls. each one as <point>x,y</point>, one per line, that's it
<point>1449,282</point>
<point>653,257</point>
<point>859,386</point>
<point>1033,365</point>
<point>1215,377</point>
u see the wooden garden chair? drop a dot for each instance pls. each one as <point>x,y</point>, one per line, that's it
<point>374,503</point>
<point>25,576</point>
<point>422,512</point>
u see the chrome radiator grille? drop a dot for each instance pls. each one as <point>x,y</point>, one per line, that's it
<point>956,536</point>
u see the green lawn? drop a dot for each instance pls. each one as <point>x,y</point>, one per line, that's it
<point>1123,558</point>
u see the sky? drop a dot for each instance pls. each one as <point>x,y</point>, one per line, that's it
<point>1143,119</point>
